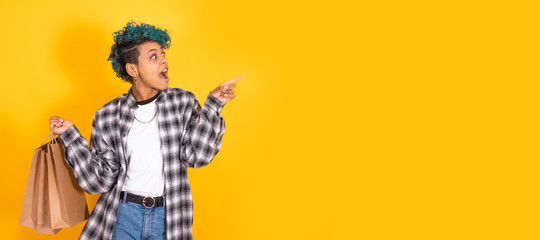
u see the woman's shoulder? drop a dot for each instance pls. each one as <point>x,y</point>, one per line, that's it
<point>179,94</point>
<point>114,105</point>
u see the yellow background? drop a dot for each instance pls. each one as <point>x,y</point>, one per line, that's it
<point>357,119</point>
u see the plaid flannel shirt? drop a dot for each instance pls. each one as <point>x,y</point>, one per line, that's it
<point>190,137</point>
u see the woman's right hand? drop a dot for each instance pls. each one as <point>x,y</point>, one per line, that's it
<point>59,125</point>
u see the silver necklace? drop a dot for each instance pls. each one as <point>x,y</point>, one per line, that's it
<point>155,114</point>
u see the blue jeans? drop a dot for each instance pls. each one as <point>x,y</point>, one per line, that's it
<point>134,221</point>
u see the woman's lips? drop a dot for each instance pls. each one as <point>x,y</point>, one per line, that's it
<point>164,74</point>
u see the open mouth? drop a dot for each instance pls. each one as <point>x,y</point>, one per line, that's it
<point>164,74</point>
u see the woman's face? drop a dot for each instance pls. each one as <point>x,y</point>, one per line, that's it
<point>152,68</point>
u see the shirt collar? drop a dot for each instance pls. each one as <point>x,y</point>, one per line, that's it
<point>132,103</point>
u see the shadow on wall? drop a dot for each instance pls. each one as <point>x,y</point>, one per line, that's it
<point>82,50</point>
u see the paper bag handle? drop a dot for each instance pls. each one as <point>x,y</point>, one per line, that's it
<point>50,138</point>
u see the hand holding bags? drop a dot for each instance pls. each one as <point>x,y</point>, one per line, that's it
<point>53,199</point>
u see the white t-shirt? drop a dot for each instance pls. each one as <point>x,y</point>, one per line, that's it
<point>145,169</point>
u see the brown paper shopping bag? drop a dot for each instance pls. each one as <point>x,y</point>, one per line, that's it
<point>66,199</point>
<point>53,199</point>
<point>30,202</point>
<point>43,224</point>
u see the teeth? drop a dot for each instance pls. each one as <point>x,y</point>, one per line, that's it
<point>165,70</point>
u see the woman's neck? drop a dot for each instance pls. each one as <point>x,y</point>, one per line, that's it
<point>144,94</point>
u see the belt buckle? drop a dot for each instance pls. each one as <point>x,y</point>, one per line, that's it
<point>153,202</point>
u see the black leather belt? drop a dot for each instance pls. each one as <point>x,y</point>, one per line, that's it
<point>147,202</point>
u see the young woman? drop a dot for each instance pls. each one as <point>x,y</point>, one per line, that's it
<point>142,144</point>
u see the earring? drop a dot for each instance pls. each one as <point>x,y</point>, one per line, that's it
<point>135,83</point>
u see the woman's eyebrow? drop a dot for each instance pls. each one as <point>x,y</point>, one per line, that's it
<point>153,49</point>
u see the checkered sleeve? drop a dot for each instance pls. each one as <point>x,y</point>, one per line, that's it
<point>202,139</point>
<point>95,167</point>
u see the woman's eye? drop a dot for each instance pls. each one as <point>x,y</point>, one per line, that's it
<point>153,57</point>
<point>162,54</point>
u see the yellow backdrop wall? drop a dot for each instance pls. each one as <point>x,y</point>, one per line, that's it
<point>262,184</point>
<point>357,119</point>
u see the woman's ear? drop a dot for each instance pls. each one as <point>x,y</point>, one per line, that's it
<point>132,69</point>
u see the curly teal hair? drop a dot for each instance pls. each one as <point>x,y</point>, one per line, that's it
<point>126,42</point>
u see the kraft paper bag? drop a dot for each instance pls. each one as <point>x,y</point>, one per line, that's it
<point>29,207</point>
<point>43,214</point>
<point>66,199</point>
<point>53,200</point>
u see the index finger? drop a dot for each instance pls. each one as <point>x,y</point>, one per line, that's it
<point>234,79</point>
